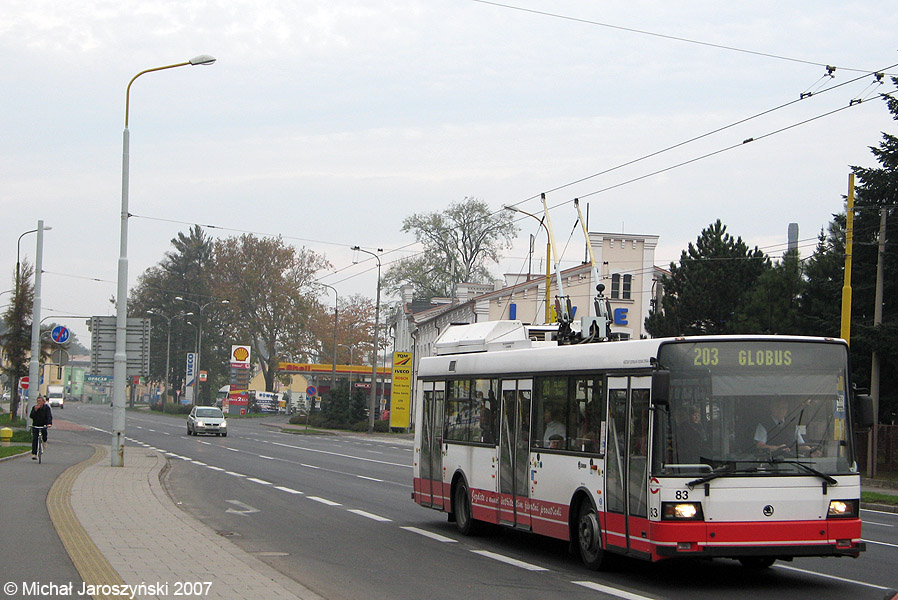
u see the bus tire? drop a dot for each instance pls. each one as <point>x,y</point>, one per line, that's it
<point>589,537</point>
<point>461,508</point>
<point>757,562</point>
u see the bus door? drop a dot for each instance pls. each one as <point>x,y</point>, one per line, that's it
<point>626,464</point>
<point>514,453</point>
<point>432,444</point>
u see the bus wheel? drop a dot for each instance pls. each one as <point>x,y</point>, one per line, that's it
<point>461,506</point>
<point>589,538</point>
<point>757,562</point>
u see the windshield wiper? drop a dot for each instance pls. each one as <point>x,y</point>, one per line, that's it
<point>808,468</point>
<point>726,471</point>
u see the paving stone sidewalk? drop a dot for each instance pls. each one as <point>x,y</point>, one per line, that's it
<point>148,540</point>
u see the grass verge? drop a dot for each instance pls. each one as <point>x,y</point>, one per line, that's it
<point>877,498</point>
<point>13,450</point>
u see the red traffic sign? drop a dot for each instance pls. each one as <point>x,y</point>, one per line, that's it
<point>23,383</point>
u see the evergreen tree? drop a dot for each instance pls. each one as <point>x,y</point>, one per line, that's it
<point>705,290</point>
<point>16,338</point>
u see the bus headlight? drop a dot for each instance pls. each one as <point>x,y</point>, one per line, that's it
<point>842,509</point>
<point>682,511</point>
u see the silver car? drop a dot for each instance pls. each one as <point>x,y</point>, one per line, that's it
<point>207,419</point>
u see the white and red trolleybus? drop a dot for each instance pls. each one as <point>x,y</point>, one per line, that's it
<point>729,446</point>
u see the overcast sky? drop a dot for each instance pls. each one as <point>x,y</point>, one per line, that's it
<point>329,122</point>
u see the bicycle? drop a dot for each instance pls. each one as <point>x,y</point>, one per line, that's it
<point>41,442</point>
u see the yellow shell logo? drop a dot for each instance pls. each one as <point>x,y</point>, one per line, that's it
<point>241,354</point>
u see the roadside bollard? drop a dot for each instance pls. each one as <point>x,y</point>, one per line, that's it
<point>5,436</point>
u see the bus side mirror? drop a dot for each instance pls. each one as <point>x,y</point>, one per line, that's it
<point>660,387</point>
<point>865,414</point>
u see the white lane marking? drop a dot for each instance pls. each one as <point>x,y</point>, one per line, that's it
<point>207,443</point>
<point>288,490</point>
<point>875,523</point>
<point>879,512</point>
<point>370,478</point>
<point>374,451</point>
<point>610,590</point>
<point>214,468</point>
<point>165,433</point>
<point>232,449</point>
<point>259,481</point>
<point>872,585</point>
<point>153,430</point>
<point>309,466</point>
<point>243,509</point>
<point>196,462</point>
<point>433,536</point>
<point>371,516</point>
<point>324,501</point>
<point>382,462</point>
<point>509,561</point>
<point>235,474</point>
<point>880,543</point>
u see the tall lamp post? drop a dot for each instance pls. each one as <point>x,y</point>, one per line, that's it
<point>372,401</point>
<point>34,366</point>
<point>120,364</point>
<point>15,388</point>
<point>168,321</point>
<point>199,343</point>
<point>351,348</point>
<point>334,355</point>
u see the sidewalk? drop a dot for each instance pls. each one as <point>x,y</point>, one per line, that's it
<point>121,528</point>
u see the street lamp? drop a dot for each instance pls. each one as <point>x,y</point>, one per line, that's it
<point>16,296</point>
<point>34,366</point>
<point>548,259</point>
<point>334,356</point>
<point>373,399</point>
<point>199,343</point>
<point>120,364</point>
<point>168,321</point>
<point>351,348</point>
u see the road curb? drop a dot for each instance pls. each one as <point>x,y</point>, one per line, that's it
<point>93,567</point>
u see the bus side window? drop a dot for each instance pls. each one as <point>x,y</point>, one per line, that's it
<point>550,413</point>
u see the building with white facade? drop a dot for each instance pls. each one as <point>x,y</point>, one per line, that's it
<point>625,264</point>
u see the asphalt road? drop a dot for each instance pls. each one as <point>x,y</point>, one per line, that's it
<point>335,513</point>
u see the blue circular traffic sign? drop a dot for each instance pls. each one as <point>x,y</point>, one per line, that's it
<point>60,334</point>
<point>311,391</point>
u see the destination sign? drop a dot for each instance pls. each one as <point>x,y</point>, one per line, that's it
<point>751,355</point>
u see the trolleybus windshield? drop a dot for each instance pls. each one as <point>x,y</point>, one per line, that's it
<point>753,407</point>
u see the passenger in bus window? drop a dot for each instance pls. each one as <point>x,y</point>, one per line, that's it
<point>555,432</point>
<point>689,434</point>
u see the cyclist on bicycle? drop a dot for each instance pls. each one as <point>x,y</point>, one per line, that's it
<point>41,419</point>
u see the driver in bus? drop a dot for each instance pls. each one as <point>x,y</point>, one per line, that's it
<point>778,435</point>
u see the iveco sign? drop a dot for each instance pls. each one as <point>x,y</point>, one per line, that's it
<point>190,378</point>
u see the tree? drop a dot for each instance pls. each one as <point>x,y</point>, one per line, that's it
<point>355,328</point>
<point>16,339</point>
<point>772,304</point>
<point>185,271</point>
<point>272,291</point>
<point>705,290</point>
<point>458,244</point>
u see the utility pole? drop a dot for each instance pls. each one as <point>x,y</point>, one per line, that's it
<point>849,241</point>
<point>874,367</point>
